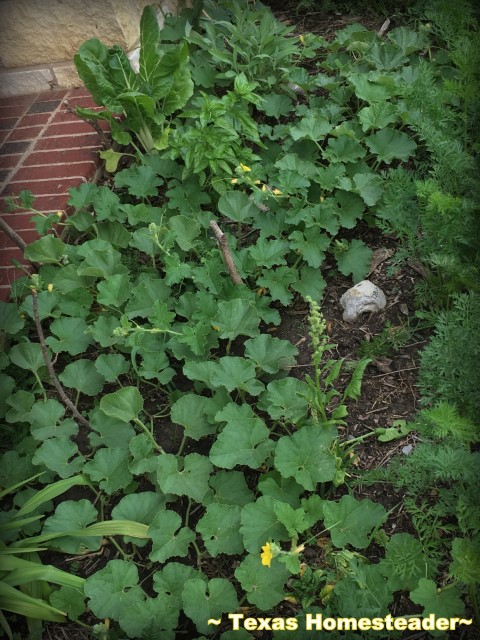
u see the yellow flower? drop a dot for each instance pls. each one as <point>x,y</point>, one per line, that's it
<point>277,192</point>
<point>257,182</point>
<point>266,555</point>
<point>301,38</point>
<point>264,187</point>
<point>244,167</point>
<point>59,214</point>
<point>234,181</point>
<point>50,288</point>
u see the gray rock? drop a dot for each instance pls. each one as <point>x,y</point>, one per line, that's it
<point>364,296</point>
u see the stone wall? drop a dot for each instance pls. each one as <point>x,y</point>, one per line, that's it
<point>38,38</point>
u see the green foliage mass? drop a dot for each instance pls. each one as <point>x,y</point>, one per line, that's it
<point>200,442</point>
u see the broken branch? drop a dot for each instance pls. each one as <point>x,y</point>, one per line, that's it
<point>227,256</point>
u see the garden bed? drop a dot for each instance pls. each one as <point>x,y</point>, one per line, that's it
<point>212,435</point>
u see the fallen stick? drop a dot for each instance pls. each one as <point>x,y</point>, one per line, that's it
<point>53,376</point>
<point>227,256</point>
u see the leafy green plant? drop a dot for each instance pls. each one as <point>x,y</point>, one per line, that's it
<point>448,363</point>
<point>136,102</point>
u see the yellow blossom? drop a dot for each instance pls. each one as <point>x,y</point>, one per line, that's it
<point>244,167</point>
<point>266,555</point>
<point>234,181</point>
<point>277,192</point>
<point>264,187</point>
<point>257,182</point>
<point>59,214</point>
<point>301,38</point>
<point>322,198</point>
<point>50,288</point>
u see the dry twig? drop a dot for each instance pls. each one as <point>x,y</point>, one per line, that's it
<point>227,256</point>
<point>53,376</point>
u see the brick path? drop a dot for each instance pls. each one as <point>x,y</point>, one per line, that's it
<point>47,150</point>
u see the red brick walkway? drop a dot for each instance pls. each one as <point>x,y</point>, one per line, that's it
<point>47,150</point>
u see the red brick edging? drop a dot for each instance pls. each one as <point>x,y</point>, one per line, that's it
<point>47,150</point>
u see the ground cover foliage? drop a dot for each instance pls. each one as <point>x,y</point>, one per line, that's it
<point>192,464</point>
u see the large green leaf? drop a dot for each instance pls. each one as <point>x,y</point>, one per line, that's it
<point>82,376</point>
<point>73,515</point>
<point>189,411</point>
<point>57,454</point>
<point>230,488</point>
<point>445,603</point>
<point>219,528</point>
<point>350,521</point>
<point>124,404</point>
<point>306,456</point>
<point>47,250</point>
<point>187,477</point>
<point>364,593</point>
<point>354,260</point>
<point>169,538</point>
<point>244,440</point>
<point>265,586</point>
<point>152,619</point>
<point>70,336</point>
<point>237,317</point>
<point>10,319</point>
<point>141,507</point>
<point>113,589</point>
<point>200,607</point>
<point>390,144</point>
<point>260,523</point>
<point>465,565</point>
<point>114,291</point>
<point>237,206</point>
<point>270,354</point>
<point>27,355</point>
<point>285,399</point>
<point>109,468</point>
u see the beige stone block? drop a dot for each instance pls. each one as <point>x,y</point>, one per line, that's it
<point>22,82</point>
<point>66,75</point>
<point>42,31</point>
